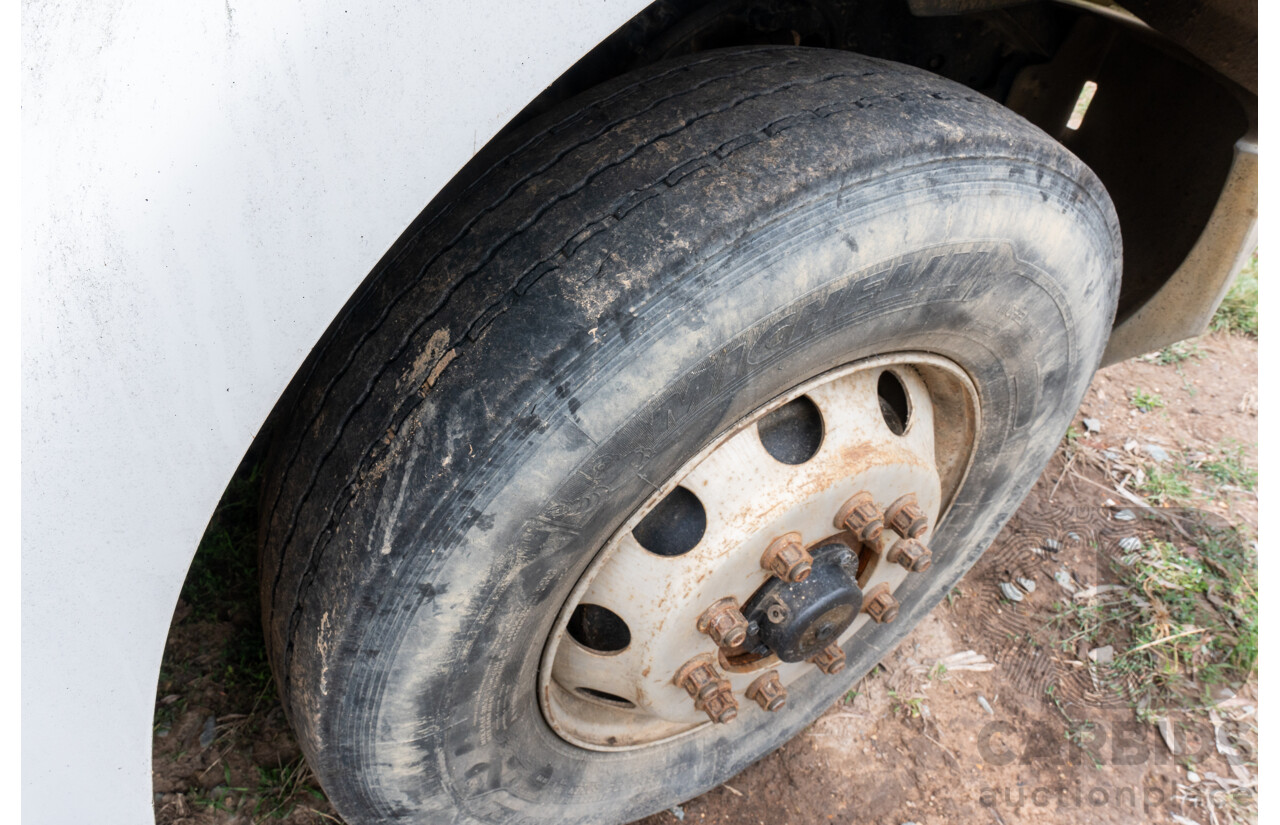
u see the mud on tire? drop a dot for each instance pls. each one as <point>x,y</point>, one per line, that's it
<point>631,274</point>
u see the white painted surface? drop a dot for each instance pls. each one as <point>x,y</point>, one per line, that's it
<point>204,185</point>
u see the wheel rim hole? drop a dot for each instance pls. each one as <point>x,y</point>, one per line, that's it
<point>895,405</point>
<point>598,628</point>
<point>674,526</point>
<point>792,433</point>
<point>603,696</point>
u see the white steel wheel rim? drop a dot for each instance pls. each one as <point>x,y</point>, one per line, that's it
<point>610,700</point>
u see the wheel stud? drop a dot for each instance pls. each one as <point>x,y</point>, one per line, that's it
<point>724,623</point>
<point>911,554</point>
<point>880,604</point>
<point>860,516</point>
<point>768,692</point>
<point>906,518</point>
<point>786,558</point>
<point>711,692</point>
<point>830,660</point>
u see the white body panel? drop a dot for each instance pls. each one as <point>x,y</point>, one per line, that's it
<point>204,185</point>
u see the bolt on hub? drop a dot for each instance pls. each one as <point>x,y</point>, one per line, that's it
<point>724,623</point>
<point>768,692</point>
<point>831,660</point>
<point>711,692</point>
<point>786,558</point>
<point>880,604</point>
<point>906,518</point>
<point>860,516</point>
<point>911,554</point>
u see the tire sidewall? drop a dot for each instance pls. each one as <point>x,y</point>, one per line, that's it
<point>1005,266</point>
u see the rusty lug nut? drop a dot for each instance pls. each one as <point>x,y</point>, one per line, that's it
<point>880,604</point>
<point>786,558</point>
<point>860,517</point>
<point>768,692</point>
<point>724,623</point>
<point>711,692</point>
<point>906,518</point>
<point>830,660</point>
<point>911,554</point>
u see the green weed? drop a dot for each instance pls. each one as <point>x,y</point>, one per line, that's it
<point>1238,312</point>
<point>1175,353</point>
<point>912,708</point>
<point>1186,618</point>
<point>279,788</point>
<point>1145,401</point>
<point>1166,486</point>
<point>1230,467</point>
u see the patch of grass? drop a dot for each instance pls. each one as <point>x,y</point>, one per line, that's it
<point>1163,486</point>
<point>1238,312</point>
<point>280,787</point>
<point>1082,734</point>
<point>1201,620</point>
<point>1230,467</point>
<point>1146,401</point>
<point>1090,622</point>
<point>1175,353</point>
<point>220,798</point>
<point>911,708</point>
<point>1186,618</point>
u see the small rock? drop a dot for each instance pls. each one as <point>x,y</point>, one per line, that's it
<point>677,812</point>
<point>1010,592</point>
<point>1063,578</point>
<point>1102,655</point>
<point>1111,455</point>
<point>1092,425</point>
<point>1131,446</point>
<point>162,733</point>
<point>1052,545</point>
<point>206,735</point>
<point>1157,453</point>
<point>1131,543</point>
<point>1026,584</point>
<point>1124,515</point>
<point>1073,536</point>
<point>1166,733</point>
<point>1193,777</point>
<point>982,700</point>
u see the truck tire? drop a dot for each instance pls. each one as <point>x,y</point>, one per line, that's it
<point>701,308</point>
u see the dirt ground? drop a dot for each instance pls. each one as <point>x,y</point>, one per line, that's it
<point>994,710</point>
